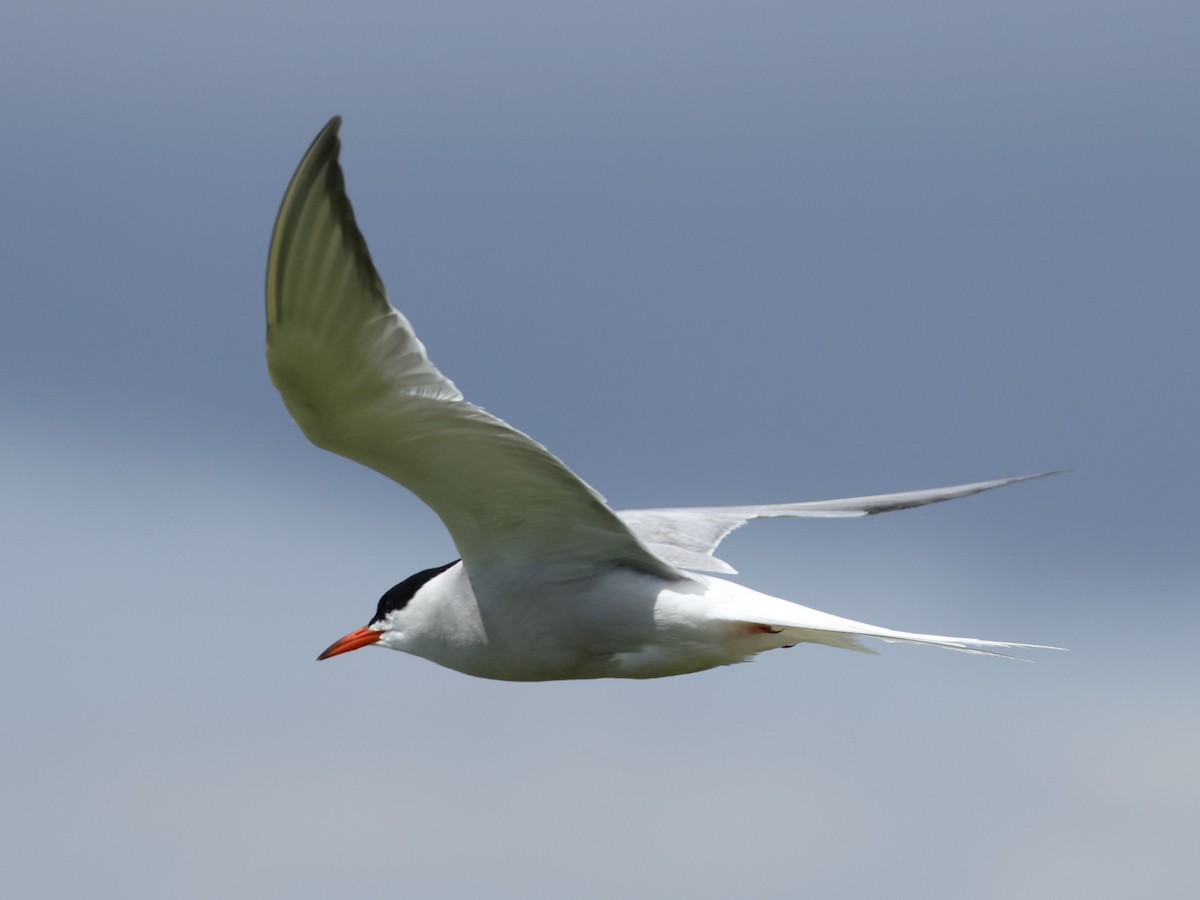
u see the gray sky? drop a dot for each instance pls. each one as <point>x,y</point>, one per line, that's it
<point>708,253</point>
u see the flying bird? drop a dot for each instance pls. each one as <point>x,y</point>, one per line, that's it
<point>552,583</point>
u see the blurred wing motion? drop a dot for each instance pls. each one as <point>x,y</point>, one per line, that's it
<point>358,383</point>
<point>687,538</point>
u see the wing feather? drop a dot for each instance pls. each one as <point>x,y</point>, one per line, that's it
<point>359,383</point>
<point>689,537</point>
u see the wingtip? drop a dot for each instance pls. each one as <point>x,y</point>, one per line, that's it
<point>326,136</point>
<point>1062,471</point>
<point>331,127</point>
<point>320,157</point>
<point>1004,482</point>
<point>1009,645</point>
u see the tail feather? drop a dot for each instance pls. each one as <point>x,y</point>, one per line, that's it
<point>792,623</point>
<point>847,637</point>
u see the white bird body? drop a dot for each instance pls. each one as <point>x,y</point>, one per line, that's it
<point>620,624</point>
<point>552,584</point>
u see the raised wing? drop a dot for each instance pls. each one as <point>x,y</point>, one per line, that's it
<point>687,538</point>
<point>358,383</point>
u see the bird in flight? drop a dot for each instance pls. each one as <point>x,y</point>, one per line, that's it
<point>552,583</point>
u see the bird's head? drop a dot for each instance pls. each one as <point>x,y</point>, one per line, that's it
<point>387,627</point>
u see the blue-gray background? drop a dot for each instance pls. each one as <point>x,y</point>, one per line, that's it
<point>707,252</point>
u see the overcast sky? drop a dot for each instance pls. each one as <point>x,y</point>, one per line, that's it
<point>706,252</point>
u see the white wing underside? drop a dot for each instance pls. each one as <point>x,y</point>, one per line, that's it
<point>359,383</point>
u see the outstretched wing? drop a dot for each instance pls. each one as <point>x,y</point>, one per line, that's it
<point>358,383</point>
<point>687,538</point>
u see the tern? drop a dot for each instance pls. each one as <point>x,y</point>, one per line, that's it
<point>551,582</point>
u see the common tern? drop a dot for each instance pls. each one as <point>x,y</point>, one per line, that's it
<point>551,583</point>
